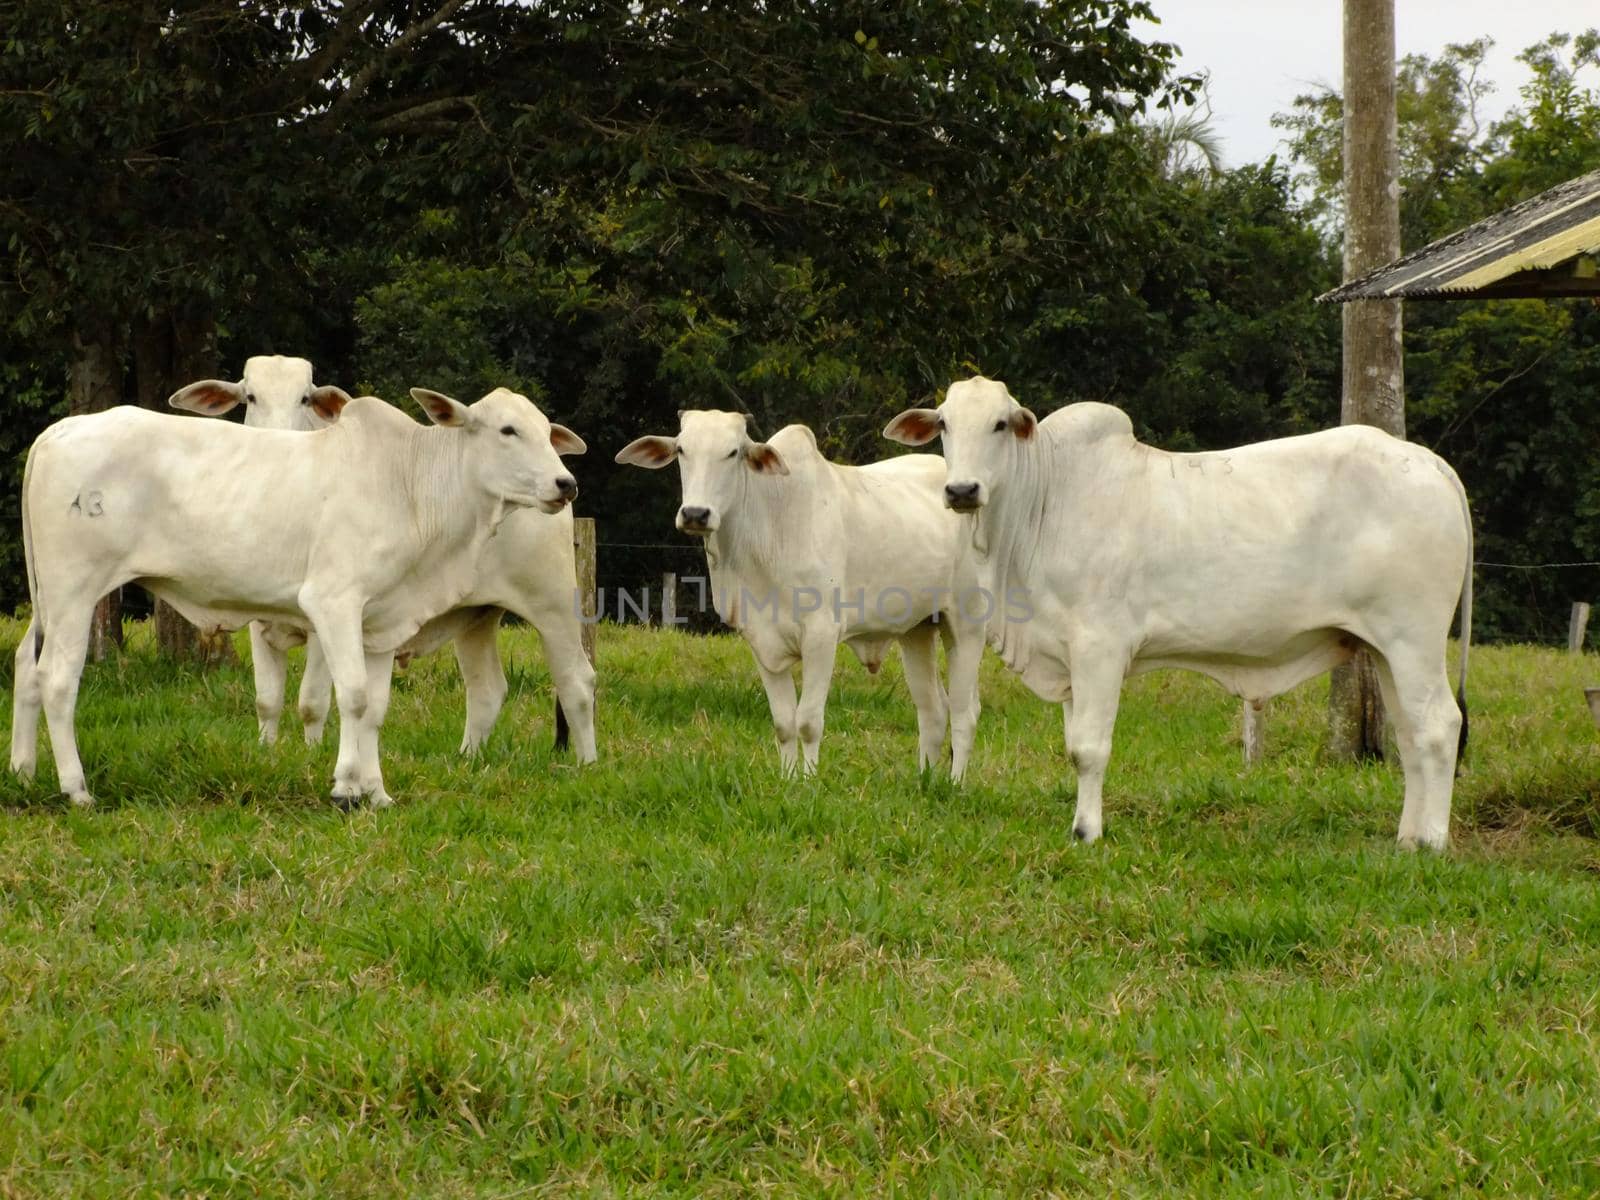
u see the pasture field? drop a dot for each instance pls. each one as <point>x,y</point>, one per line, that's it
<point>675,974</point>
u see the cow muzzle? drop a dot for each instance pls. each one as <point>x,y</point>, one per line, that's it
<point>566,492</point>
<point>696,520</point>
<point>963,497</point>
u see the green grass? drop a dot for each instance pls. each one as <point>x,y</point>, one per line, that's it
<point>676,974</point>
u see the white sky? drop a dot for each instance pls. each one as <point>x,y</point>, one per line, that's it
<point>1262,53</point>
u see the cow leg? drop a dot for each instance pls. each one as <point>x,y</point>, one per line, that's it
<point>478,654</point>
<point>817,655</point>
<point>573,675</point>
<point>964,652</point>
<point>921,660</point>
<point>271,669</point>
<point>316,691</point>
<point>380,673</point>
<point>781,701</point>
<point>337,627</point>
<point>1090,718</point>
<point>1416,689</point>
<point>26,699</point>
<point>60,668</point>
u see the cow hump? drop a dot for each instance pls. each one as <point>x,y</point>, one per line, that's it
<point>1090,421</point>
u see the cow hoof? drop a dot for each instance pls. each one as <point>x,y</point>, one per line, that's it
<point>22,770</point>
<point>380,799</point>
<point>1086,835</point>
<point>1414,842</point>
<point>80,799</point>
<point>346,802</point>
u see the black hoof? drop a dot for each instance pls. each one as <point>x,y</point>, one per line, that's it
<point>346,804</point>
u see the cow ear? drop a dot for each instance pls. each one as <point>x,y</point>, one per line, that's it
<point>210,397</point>
<point>328,401</point>
<point>764,460</point>
<point>565,441</point>
<point>914,427</point>
<point>441,409</point>
<point>1022,423</point>
<point>651,452</point>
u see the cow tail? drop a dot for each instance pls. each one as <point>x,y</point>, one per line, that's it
<point>1466,621</point>
<point>37,624</point>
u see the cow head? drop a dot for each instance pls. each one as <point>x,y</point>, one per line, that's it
<point>515,448</point>
<point>981,426</point>
<point>276,391</point>
<point>714,453</point>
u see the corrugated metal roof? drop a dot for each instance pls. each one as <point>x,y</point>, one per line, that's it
<point>1545,246</point>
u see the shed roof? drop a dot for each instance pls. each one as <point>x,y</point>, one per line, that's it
<point>1545,246</point>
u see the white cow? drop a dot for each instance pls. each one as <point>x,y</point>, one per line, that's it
<point>377,530</point>
<point>1260,567</point>
<point>527,568</point>
<point>805,554</point>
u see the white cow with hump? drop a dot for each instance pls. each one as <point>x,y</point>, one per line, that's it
<point>526,568</point>
<point>805,553</point>
<point>377,529</point>
<point>1259,566</point>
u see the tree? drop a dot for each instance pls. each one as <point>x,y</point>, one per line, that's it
<point>156,141</point>
<point>813,211</point>
<point>1185,143</point>
<point>1498,387</point>
<point>1441,141</point>
<point>830,177</point>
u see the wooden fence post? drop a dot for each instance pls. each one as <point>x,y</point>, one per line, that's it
<point>669,600</point>
<point>583,546</point>
<point>1577,627</point>
<point>1255,731</point>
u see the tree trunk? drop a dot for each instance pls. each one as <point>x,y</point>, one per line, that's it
<point>1373,378</point>
<point>169,351</point>
<point>94,383</point>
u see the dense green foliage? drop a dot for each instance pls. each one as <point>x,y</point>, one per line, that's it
<point>675,974</point>
<point>811,210</point>
<point>1503,389</point>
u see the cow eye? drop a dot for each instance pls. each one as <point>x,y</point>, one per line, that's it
<point>1000,426</point>
<point>509,430</point>
<point>249,397</point>
<point>732,454</point>
<point>306,399</point>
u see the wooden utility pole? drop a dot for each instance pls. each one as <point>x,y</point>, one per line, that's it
<point>1373,367</point>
